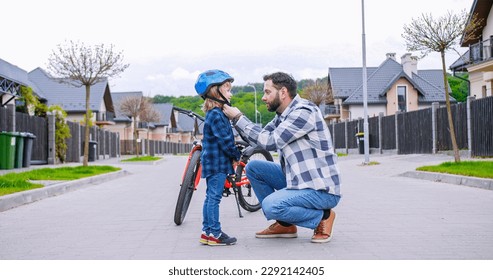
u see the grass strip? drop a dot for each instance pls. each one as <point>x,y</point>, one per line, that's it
<point>17,182</point>
<point>479,168</point>
<point>142,158</point>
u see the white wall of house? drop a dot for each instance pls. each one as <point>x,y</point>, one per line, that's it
<point>75,117</point>
<point>357,111</point>
<point>488,29</point>
<point>6,97</point>
<point>481,75</point>
<point>479,87</point>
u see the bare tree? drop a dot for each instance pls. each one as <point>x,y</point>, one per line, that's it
<point>149,114</point>
<point>427,35</point>
<point>79,65</point>
<point>318,93</point>
<point>132,106</point>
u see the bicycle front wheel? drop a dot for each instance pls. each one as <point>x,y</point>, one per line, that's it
<point>246,196</point>
<point>187,188</point>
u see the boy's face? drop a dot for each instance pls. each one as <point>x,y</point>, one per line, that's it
<point>226,91</point>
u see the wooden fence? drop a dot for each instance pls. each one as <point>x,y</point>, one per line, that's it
<point>108,144</point>
<point>424,131</point>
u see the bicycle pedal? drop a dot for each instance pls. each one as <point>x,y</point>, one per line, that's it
<point>226,192</point>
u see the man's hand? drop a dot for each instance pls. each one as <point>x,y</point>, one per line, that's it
<point>231,112</point>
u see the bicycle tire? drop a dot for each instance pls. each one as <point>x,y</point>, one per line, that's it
<point>246,196</point>
<point>187,188</point>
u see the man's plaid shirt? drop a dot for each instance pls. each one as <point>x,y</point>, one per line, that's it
<point>303,141</point>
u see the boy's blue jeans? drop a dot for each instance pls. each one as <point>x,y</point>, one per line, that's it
<point>299,207</point>
<point>210,211</point>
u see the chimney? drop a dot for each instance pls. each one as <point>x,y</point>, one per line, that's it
<point>409,64</point>
<point>391,55</point>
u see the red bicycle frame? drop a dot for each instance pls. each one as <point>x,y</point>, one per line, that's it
<point>227,183</point>
<point>199,171</point>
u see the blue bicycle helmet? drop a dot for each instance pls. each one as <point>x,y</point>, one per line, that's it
<point>211,78</point>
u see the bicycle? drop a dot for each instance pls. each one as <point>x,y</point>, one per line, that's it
<point>238,182</point>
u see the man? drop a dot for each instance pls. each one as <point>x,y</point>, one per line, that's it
<point>303,188</point>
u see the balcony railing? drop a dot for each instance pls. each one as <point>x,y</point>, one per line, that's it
<point>105,116</point>
<point>481,51</point>
<point>332,110</point>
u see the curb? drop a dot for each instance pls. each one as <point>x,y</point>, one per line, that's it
<point>475,182</point>
<point>153,162</point>
<point>17,199</point>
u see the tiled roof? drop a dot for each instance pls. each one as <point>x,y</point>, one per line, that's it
<point>165,109</point>
<point>346,80</point>
<point>187,124</point>
<point>70,98</point>
<point>347,83</point>
<point>15,74</point>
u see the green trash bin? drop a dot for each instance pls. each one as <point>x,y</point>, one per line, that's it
<point>19,149</point>
<point>7,150</point>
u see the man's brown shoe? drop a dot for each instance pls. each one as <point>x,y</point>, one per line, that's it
<point>323,232</point>
<point>277,231</point>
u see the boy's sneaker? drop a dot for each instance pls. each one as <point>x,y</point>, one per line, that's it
<point>222,239</point>
<point>204,238</point>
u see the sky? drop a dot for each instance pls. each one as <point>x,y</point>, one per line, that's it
<point>168,43</point>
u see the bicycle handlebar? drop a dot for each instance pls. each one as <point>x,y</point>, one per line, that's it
<point>189,113</point>
<point>197,116</point>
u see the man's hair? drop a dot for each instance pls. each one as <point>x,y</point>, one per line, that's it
<point>280,79</point>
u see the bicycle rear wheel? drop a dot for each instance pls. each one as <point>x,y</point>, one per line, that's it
<point>187,188</point>
<point>246,196</point>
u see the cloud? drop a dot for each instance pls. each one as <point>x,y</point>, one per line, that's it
<point>156,77</point>
<point>183,74</point>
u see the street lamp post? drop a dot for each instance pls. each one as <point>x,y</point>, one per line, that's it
<point>255,92</point>
<point>365,89</point>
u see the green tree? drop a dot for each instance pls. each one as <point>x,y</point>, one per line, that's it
<point>84,66</point>
<point>62,132</point>
<point>28,99</point>
<point>459,86</point>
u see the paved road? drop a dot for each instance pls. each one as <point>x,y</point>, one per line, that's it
<point>382,216</point>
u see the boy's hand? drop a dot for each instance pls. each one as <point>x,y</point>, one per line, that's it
<point>230,112</point>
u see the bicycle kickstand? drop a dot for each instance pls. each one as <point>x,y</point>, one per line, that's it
<point>237,201</point>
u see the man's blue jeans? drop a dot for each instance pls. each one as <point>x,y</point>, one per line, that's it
<point>210,211</point>
<point>299,207</point>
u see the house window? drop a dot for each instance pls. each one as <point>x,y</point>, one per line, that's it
<point>483,92</point>
<point>401,98</point>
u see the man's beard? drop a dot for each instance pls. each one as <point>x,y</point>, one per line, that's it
<point>272,107</point>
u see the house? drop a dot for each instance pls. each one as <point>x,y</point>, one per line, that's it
<point>478,60</point>
<point>172,126</point>
<point>188,127</point>
<point>51,92</point>
<point>11,80</point>
<point>391,87</point>
<point>73,99</point>
<point>123,123</point>
<point>163,129</point>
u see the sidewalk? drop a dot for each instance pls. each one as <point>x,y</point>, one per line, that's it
<point>382,216</point>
